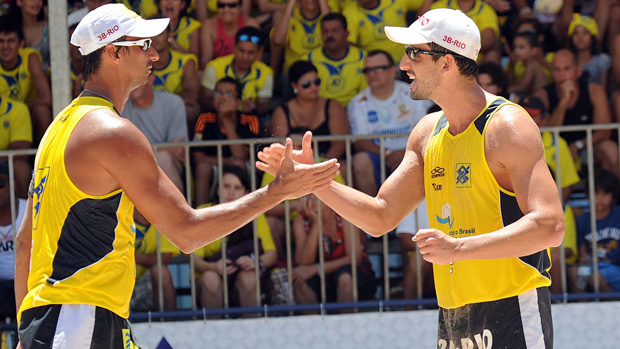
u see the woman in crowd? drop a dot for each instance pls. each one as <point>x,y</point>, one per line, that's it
<point>31,15</point>
<point>184,33</point>
<point>584,41</point>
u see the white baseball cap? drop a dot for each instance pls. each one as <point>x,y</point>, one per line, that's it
<point>450,29</point>
<point>109,22</point>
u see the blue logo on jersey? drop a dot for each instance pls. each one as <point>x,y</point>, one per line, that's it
<point>446,216</point>
<point>6,124</point>
<point>38,195</point>
<point>372,116</point>
<point>463,175</point>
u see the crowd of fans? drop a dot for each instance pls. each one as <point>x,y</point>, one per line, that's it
<point>242,69</point>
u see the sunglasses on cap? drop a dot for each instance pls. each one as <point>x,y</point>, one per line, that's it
<point>379,67</point>
<point>307,83</point>
<point>414,52</point>
<point>229,5</point>
<point>145,43</point>
<point>252,38</point>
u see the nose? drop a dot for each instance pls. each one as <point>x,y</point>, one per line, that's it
<point>404,62</point>
<point>153,55</point>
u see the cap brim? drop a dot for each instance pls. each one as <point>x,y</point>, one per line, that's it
<point>405,36</point>
<point>148,28</point>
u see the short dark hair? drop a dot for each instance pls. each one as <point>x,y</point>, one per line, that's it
<point>381,52</point>
<point>333,16</point>
<point>237,84</point>
<point>540,29</point>
<point>250,32</point>
<point>467,67</point>
<point>531,38</point>
<point>240,173</point>
<point>299,68</point>
<point>496,73</point>
<point>606,181</point>
<point>11,25</point>
<point>92,61</point>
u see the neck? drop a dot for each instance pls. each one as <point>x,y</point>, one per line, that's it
<point>602,214</point>
<point>383,92</point>
<point>306,104</point>
<point>10,65</point>
<point>145,100</point>
<point>29,20</point>
<point>310,14</point>
<point>238,70</point>
<point>164,59</point>
<point>112,88</point>
<point>338,53</point>
<point>466,5</point>
<point>462,103</point>
<point>584,56</point>
<point>371,5</point>
<point>174,23</point>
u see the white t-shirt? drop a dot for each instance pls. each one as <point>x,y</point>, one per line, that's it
<point>397,114</point>
<point>7,251</point>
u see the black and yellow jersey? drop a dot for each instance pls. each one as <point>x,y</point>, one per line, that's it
<point>464,199</point>
<point>82,245</point>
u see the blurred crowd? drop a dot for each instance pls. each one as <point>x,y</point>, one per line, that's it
<point>244,69</point>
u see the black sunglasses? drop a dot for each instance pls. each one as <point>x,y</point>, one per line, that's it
<point>229,5</point>
<point>379,67</point>
<point>307,83</point>
<point>414,52</point>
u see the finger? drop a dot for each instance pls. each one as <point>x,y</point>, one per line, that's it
<point>306,142</point>
<point>288,151</point>
<point>423,234</point>
<point>266,168</point>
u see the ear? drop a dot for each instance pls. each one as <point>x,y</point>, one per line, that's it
<point>110,52</point>
<point>449,63</point>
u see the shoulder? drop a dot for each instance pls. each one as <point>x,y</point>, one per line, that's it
<point>262,67</point>
<point>511,129</point>
<point>361,97</point>
<point>171,100</point>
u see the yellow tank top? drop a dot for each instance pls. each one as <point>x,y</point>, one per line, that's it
<point>464,199</point>
<point>170,77</point>
<point>187,25</point>
<point>17,82</point>
<point>82,245</point>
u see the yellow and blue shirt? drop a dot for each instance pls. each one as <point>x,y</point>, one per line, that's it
<point>366,25</point>
<point>187,25</point>
<point>258,82</point>
<point>304,35</point>
<point>17,83</point>
<point>170,77</point>
<point>82,245</point>
<point>464,199</point>
<point>482,14</point>
<point>341,79</point>
<point>15,124</point>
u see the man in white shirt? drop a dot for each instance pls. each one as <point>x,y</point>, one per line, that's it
<point>383,108</point>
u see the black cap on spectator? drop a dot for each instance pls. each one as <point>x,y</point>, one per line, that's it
<point>534,106</point>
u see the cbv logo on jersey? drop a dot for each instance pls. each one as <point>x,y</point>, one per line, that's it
<point>42,175</point>
<point>480,341</point>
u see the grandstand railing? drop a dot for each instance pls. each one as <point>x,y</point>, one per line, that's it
<point>323,306</point>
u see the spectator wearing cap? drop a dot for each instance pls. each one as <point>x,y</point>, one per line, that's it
<point>176,72</point>
<point>584,42</point>
<point>8,228</point>
<point>572,100</point>
<point>244,66</point>
<point>16,133</point>
<point>485,18</point>
<point>569,177</point>
<point>339,63</point>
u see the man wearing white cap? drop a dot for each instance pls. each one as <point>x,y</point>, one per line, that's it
<point>75,251</point>
<point>492,204</point>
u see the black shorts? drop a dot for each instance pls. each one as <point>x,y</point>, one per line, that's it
<point>7,295</point>
<point>366,286</point>
<point>520,322</point>
<point>70,326</point>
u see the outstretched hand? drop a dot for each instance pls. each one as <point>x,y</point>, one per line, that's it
<point>271,157</point>
<point>294,179</point>
<point>436,246</point>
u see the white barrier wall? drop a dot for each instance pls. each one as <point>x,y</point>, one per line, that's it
<point>577,325</point>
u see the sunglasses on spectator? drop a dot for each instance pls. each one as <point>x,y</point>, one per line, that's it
<point>227,4</point>
<point>414,52</point>
<point>307,83</point>
<point>252,38</point>
<point>145,43</point>
<point>379,67</point>
<point>3,182</point>
<point>225,94</point>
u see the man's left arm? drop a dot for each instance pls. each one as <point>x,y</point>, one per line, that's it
<point>514,150</point>
<point>23,242</point>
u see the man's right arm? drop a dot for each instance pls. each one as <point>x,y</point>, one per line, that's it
<point>156,197</point>
<point>23,242</point>
<point>399,195</point>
